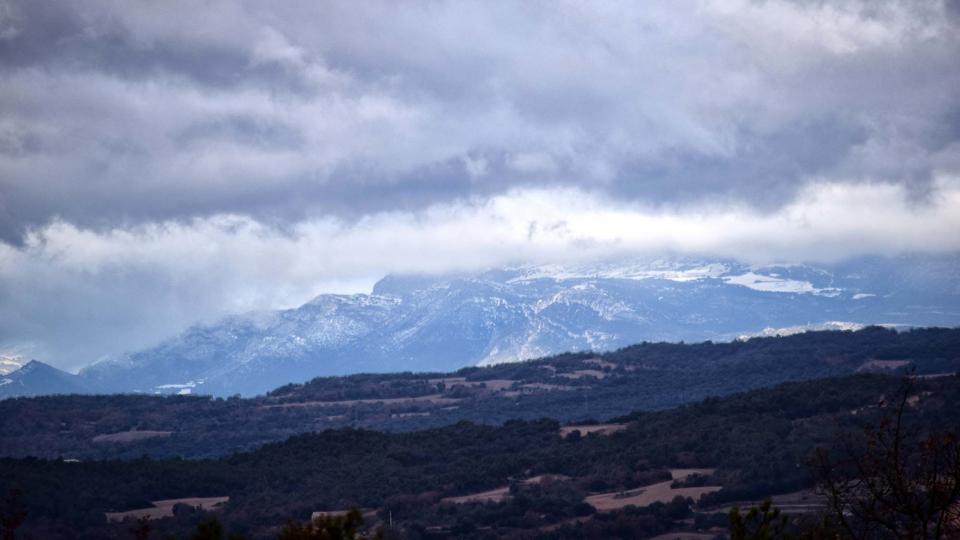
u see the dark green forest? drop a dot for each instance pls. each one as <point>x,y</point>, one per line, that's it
<point>413,443</point>
<point>567,387</point>
<point>760,443</point>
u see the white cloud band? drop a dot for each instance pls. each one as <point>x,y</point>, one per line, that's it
<point>74,293</point>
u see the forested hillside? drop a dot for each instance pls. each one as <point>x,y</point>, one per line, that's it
<point>742,447</point>
<point>569,387</point>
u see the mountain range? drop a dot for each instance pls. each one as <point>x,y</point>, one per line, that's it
<point>35,378</point>
<point>441,323</point>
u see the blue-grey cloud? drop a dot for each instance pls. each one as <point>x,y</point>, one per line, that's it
<point>168,162</point>
<point>124,113</point>
<point>71,295</point>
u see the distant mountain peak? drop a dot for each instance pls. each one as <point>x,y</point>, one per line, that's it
<point>37,378</point>
<point>441,323</point>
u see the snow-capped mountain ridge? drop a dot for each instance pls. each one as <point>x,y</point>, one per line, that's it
<point>660,269</point>
<point>440,323</point>
<point>35,378</point>
<point>761,278</point>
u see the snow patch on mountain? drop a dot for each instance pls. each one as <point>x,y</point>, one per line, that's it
<point>774,283</point>
<point>799,329</point>
<point>440,323</point>
<point>180,386</point>
<point>635,271</point>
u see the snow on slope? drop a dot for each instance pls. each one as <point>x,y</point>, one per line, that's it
<point>771,283</point>
<point>443,323</point>
<point>634,270</point>
<point>757,278</point>
<point>799,329</point>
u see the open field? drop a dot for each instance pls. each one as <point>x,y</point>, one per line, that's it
<point>601,363</point>
<point>164,508</point>
<point>409,414</point>
<point>130,436</point>
<point>448,381</point>
<point>494,495</point>
<point>497,385</point>
<point>647,495</point>
<point>436,399</point>
<point>599,429</point>
<point>882,365</point>
<point>659,492</point>
<point>580,373</point>
<point>797,502</point>
<point>501,493</point>
<point>546,386</point>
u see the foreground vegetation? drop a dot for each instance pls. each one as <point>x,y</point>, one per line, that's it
<point>760,443</point>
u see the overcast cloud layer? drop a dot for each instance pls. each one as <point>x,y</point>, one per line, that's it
<point>165,162</point>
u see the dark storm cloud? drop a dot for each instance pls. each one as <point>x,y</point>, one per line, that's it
<point>168,162</point>
<point>119,113</point>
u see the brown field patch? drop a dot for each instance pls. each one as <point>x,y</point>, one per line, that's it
<point>599,429</point>
<point>581,373</point>
<point>493,495</point>
<point>541,478</point>
<point>164,508</point>
<point>797,502</point>
<point>497,384</point>
<point>436,399</point>
<point>491,384</point>
<point>601,363</point>
<point>501,494</point>
<point>881,365</point>
<point>934,375</point>
<point>545,386</point>
<point>409,414</point>
<point>645,496</point>
<point>449,381</point>
<point>130,436</point>
<point>535,388</point>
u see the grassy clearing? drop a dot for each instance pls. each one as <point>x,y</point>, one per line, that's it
<point>164,508</point>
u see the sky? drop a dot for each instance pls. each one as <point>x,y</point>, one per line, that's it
<point>163,163</point>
